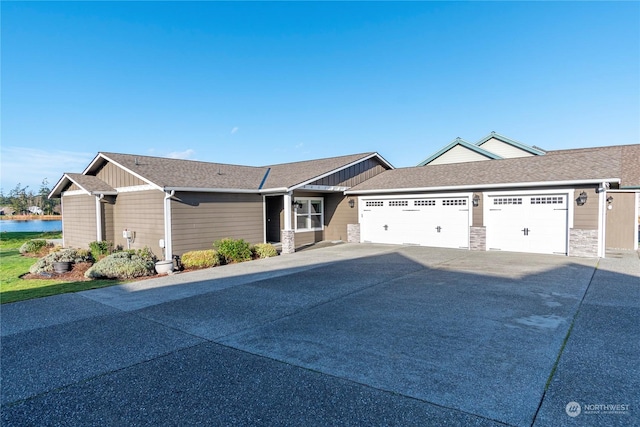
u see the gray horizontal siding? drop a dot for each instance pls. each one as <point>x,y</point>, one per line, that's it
<point>199,219</point>
<point>79,220</point>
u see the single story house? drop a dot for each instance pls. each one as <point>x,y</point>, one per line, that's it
<point>577,202</point>
<point>173,206</point>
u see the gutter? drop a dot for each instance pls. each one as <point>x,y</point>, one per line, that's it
<point>211,190</point>
<point>483,186</point>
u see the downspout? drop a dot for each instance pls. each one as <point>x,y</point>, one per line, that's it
<point>602,214</point>
<point>168,244</point>
<point>99,236</point>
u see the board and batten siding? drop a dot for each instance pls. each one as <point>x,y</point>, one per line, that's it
<point>79,220</point>
<point>141,212</point>
<point>117,177</point>
<point>585,217</point>
<point>199,219</point>
<point>352,175</point>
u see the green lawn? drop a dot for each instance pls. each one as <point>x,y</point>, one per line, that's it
<point>13,265</point>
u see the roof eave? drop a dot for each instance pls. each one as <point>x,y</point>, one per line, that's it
<point>211,190</point>
<point>487,186</point>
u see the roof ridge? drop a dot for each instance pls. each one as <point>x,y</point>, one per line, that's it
<point>323,158</point>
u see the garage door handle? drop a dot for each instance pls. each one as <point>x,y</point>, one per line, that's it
<point>438,228</point>
<point>526,231</point>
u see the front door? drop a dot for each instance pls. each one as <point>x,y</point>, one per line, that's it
<point>274,208</point>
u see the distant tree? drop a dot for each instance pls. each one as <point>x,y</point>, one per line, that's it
<point>46,204</point>
<point>4,200</point>
<point>19,199</point>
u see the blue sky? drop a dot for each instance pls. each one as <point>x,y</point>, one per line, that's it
<point>259,83</point>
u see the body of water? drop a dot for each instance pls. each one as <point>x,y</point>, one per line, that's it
<point>30,225</point>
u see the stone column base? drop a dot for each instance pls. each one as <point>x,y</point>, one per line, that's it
<point>288,241</point>
<point>478,238</point>
<point>583,242</point>
<point>353,233</point>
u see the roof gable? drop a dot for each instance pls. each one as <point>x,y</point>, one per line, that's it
<point>459,144</point>
<point>89,184</point>
<point>506,147</point>
<point>294,175</point>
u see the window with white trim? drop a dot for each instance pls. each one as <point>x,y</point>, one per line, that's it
<point>309,213</point>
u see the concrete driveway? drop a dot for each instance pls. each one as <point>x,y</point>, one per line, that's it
<point>346,335</point>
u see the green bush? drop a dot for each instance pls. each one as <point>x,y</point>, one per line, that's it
<point>34,246</point>
<point>233,250</point>
<point>45,264</point>
<point>200,259</point>
<point>100,248</point>
<point>264,250</point>
<point>124,265</point>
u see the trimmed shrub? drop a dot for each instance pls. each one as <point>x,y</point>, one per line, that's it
<point>264,250</point>
<point>124,265</point>
<point>100,249</point>
<point>34,246</point>
<point>200,259</point>
<point>233,250</point>
<point>45,264</point>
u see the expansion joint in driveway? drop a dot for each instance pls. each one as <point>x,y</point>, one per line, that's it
<point>564,343</point>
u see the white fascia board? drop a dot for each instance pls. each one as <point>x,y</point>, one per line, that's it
<point>100,155</point>
<point>211,190</point>
<point>60,183</point>
<point>485,186</point>
<point>275,191</point>
<point>297,186</point>
<point>104,193</point>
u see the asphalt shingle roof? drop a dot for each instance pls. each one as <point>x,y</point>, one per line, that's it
<point>291,174</point>
<point>90,183</point>
<point>562,165</point>
<point>176,173</point>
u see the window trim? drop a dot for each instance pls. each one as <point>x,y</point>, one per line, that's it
<point>308,215</point>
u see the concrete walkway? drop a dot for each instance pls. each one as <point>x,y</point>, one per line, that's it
<point>345,335</point>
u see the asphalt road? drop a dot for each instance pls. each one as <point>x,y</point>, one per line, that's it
<point>345,335</point>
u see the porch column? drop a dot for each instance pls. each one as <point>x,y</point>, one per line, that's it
<point>288,234</point>
<point>99,218</point>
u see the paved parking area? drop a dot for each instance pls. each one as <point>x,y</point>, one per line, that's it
<point>346,335</point>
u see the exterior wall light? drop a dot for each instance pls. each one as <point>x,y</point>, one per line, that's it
<point>582,199</point>
<point>476,200</point>
<point>352,203</point>
<point>610,202</point>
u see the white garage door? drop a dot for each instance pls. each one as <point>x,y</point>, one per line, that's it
<point>527,223</point>
<point>427,221</point>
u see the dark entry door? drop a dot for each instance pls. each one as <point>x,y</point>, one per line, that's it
<point>274,208</point>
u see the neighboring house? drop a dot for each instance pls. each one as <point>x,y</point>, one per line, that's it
<point>572,202</point>
<point>7,210</point>
<point>491,147</point>
<point>174,206</point>
<point>35,210</point>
